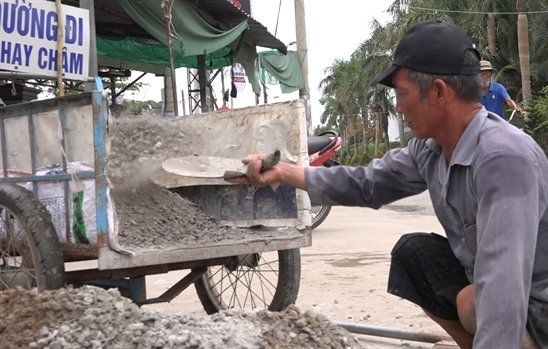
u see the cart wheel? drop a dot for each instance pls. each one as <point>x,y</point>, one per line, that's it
<point>258,281</point>
<point>30,253</point>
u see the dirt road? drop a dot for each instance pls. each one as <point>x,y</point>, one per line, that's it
<point>344,273</point>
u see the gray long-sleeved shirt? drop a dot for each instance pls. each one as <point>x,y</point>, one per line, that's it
<point>492,201</point>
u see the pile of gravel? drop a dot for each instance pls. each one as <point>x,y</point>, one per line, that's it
<point>292,328</point>
<point>91,317</point>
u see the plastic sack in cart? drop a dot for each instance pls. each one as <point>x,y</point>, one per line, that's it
<point>82,204</point>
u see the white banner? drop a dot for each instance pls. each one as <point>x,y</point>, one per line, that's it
<point>28,38</point>
<point>239,77</point>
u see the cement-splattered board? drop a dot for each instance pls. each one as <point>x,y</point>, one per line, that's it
<point>234,134</point>
<point>244,205</point>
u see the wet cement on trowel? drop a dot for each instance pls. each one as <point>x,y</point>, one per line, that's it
<point>150,216</point>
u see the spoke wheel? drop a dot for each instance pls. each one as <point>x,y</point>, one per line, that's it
<point>319,214</point>
<point>258,281</point>
<point>30,253</point>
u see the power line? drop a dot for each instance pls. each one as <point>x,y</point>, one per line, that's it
<point>366,114</point>
<point>475,12</point>
<point>278,19</point>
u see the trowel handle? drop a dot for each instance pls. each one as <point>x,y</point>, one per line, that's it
<point>270,160</point>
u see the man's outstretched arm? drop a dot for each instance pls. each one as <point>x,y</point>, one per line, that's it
<point>513,105</point>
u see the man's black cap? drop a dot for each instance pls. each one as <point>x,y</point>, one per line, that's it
<point>432,47</point>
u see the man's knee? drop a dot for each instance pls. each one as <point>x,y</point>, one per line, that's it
<point>466,307</point>
<point>409,244</point>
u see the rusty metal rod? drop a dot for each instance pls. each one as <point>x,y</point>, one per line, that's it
<point>396,333</point>
<point>81,275</point>
<point>176,289</point>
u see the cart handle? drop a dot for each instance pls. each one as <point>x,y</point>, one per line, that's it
<point>512,115</point>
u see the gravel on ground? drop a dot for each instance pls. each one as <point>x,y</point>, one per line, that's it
<point>91,317</point>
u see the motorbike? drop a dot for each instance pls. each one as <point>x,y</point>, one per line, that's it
<point>322,149</point>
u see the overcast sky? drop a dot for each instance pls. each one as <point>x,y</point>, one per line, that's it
<point>334,30</point>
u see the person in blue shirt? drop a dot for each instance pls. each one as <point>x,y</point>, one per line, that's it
<point>493,95</point>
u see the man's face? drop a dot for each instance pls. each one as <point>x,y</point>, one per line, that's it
<point>420,113</point>
<point>485,78</point>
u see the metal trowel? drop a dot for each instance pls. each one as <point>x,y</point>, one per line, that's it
<point>214,167</point>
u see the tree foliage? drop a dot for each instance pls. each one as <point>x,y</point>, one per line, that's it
<point>347,90</point>
<point>537,124</point>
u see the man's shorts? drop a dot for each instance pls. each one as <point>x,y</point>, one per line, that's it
<point>425,271</point>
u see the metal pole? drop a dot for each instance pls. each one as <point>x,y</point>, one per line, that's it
<point>211,99</point>
<point>190,77</point>
<point>302,52</point>
<point>93,69</point>
<point>167,13</point>
<point>113,89</point>
<point>202,78</point>
<point>183,101</point>
<point>128,86</point>
<point>395,333</point>
<point>223,81</point>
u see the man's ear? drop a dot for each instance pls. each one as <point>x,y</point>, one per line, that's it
<point>441,91</point>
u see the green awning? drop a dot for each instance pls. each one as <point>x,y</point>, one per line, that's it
<point>150,55</point>
<point>193,36</point>
<point>274,68</point>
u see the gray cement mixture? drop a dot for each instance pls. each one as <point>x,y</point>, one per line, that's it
<point>140,144</point>
<point>152,217</point>
<point>91,317</point>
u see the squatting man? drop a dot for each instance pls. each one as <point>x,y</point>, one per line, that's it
<point>486,281</point>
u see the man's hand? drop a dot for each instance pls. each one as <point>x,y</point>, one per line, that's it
<point>510,102</point>
<point>282,172</point>
<point>254,175</point>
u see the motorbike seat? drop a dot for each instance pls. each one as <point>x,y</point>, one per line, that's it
<point>317,143</point>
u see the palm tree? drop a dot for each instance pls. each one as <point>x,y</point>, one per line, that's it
<point>341,96</point>
<point>521,62</point>
<point>492,34</point>
<point>523,48</point>
<point>346,89</point>
<point>333,97</point>
<point>375,55</point>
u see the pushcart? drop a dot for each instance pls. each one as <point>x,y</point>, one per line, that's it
<point>37,232</point>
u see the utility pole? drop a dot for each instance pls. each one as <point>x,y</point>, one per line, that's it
<point>93,69</point>
<point>173,83</point>
<point>302,52</point>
